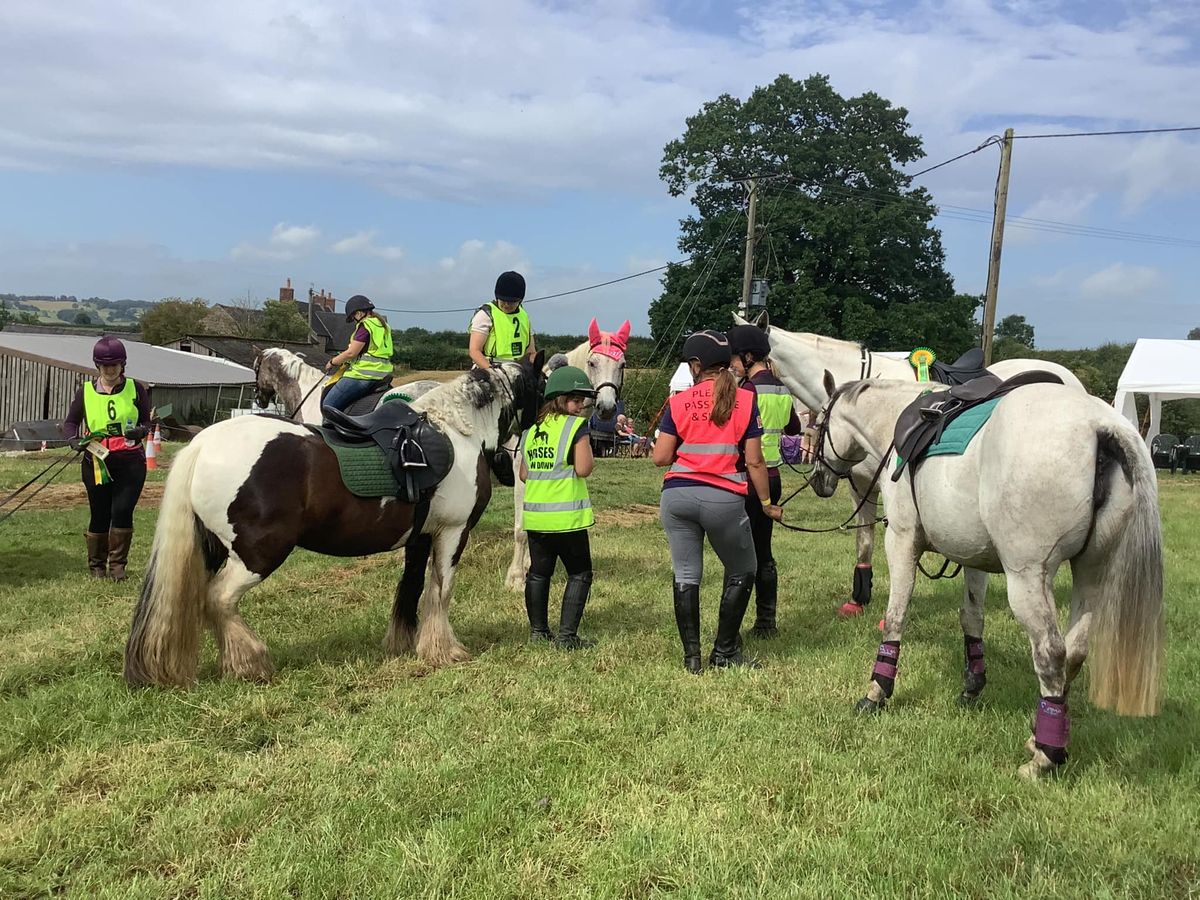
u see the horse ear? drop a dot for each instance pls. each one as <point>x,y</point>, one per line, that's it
<point>622,335</point>
<point>830,384</point>
<point>593,332</point>
<point>763,321</point>
<point>540,360</point>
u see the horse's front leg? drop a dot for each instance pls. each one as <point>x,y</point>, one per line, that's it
<point>903,551</point>
<point>864,541</point>
<point>971,617</point>
<point>515,579</point>
<point>436,641</point>
<point>402,630</point>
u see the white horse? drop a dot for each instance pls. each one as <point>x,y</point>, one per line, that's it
<point>602,357</point>
<point>1053,476</point>
<point>247,491</point>
<point>287,376</point>
<point>800,360</point>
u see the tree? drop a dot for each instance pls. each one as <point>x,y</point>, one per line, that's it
<point>844,238</point>
<point>282,322</point>
<point>172,318</point>
<point>1194,334</point>
<point>20,316</point>
<point>1015,328</point>
<point>82,318</point>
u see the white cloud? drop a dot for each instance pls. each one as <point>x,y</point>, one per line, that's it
<point>363,243</point>
<point>480,101</point>
<point>1124,282</point>
<point>285,243</point>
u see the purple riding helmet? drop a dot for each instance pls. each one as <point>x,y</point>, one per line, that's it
<point>108,352</point>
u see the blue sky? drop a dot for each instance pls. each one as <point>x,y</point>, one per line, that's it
<point>412,150</point>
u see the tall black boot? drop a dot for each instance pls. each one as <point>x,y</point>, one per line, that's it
<point>766,595</point>
<point>537,599</point>
<point>687,617</point>
<point>727,649</point>
<point>502,467</point>
<point>575,598</point>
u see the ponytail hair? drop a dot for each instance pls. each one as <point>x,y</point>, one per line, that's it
<point>724,393</point>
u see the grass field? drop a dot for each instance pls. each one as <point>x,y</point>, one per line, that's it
<point>529,772</point>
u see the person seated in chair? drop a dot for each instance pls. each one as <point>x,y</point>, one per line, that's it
<point>369,356</point>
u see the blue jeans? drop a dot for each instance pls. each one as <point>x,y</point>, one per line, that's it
<point>346,390</point>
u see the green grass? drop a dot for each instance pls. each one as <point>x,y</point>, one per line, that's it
<point>604,773</point>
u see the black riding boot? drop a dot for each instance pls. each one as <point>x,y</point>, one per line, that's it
<point>766,595</point>
<point>537,599</point>
<point>727,649</point>
<point>687,617</point>
<point>575,598</point>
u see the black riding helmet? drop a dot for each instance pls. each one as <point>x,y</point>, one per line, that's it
<point>357,303</point>
<point>749,339</point>
<point>709,348</point>
<point>510,286</point>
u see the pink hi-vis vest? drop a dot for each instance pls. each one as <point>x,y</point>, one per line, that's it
<point>709,453</point>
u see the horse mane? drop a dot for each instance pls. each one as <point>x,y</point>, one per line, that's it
<point>460,404</point>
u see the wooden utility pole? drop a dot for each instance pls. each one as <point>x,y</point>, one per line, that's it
<point>748,272</point>
<point>993,278</point>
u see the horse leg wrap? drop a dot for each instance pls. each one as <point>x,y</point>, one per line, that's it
<point>884,673</point>
<point>1052,728</point>
<point>862,585</point>
<point>975,672</point>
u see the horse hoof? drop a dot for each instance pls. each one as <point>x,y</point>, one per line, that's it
<point>867,706</point>
<point>1037,768</point>
<point>967,700</point>
<point>850,609</point>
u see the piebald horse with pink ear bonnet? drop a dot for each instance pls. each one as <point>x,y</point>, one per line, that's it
<point>602,357</point>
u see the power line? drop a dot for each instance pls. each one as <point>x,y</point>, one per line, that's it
<point>590,287</point>
<point>1026,137</point>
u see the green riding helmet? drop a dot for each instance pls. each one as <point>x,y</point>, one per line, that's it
<point>568,380</point>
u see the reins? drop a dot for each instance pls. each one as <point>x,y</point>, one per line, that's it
<point>61,464</point>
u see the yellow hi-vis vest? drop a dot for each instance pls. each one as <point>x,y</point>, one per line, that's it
<point>509,337</point>
<point>375,362</point>
<point>556,499</point>
<point>111,413</point>
<point>775,407</point>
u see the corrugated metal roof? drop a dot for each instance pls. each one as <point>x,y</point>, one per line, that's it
<point>154,365</point>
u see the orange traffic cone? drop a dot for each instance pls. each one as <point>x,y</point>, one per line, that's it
<point>151,455</point>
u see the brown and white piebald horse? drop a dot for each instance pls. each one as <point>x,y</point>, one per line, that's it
<point>248,490</point>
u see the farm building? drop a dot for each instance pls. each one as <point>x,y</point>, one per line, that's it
<point>242,350</point>
<point>39,374</point>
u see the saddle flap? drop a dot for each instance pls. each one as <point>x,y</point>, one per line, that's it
<point>390,416</point>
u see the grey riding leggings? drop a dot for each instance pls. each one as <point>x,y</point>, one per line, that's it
<point>690,512</point>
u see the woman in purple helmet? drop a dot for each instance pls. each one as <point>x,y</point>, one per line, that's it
<point>114,412</point>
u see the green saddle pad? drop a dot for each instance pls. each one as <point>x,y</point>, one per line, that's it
<point>960,431</point>
<point>365,472</point>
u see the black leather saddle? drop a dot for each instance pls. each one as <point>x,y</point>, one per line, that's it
<point>922,422</point>
<point>420,456</point>
<point>966,368</point>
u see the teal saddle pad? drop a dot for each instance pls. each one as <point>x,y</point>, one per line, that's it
<point>962,429</point>
<point>365,470</point>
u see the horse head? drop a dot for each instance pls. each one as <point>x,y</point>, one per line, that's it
<point>265,377</point>
<point>606,365</point>
<point>834,436</point>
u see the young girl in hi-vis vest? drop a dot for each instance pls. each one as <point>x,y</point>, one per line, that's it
<point>556,458</point>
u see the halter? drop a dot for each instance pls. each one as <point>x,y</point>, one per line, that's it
<point>606,345</point>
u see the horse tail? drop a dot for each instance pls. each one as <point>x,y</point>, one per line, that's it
<point>1126,633</point>
<point>164,640</point>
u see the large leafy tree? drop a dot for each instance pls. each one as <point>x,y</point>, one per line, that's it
<point>282,322</point>
<point>172,318</point>
<point>844,238</point>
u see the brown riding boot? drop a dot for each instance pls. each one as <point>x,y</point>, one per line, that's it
<point>119,540</point>
<point>97,547</point>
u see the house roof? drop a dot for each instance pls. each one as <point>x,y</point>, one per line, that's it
<point>153,365</point>
<point>242,350</point>
<point>330,325</point>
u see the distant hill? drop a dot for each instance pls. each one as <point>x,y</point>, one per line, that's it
<point>86,311</point>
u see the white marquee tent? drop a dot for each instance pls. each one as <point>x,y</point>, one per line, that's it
<point>1163,370</point>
